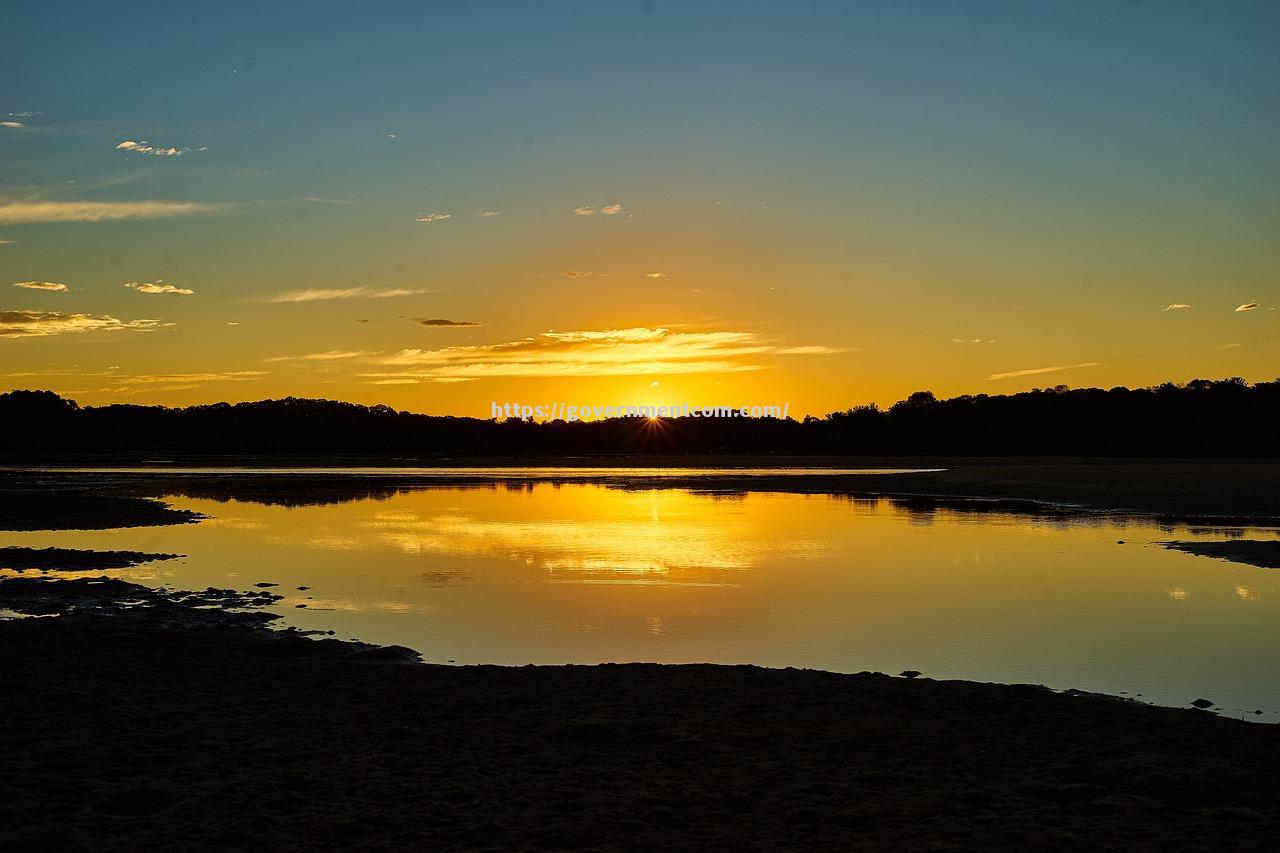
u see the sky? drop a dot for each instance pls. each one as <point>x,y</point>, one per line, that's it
<point>440,205</point>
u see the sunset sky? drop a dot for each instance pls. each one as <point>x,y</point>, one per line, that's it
<point>438,205</point>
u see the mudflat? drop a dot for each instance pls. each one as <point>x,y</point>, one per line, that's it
<point>123,731</point>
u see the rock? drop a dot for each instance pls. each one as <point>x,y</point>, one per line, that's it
<point>1203,703</point>
<point>910,673</point>
<point>265,584</point>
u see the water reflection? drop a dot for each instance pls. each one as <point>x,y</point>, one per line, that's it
<point>555,572</point>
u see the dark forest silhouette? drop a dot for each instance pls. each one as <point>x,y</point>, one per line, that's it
<point>1201,418</point>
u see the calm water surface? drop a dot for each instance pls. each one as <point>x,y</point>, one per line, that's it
<point>516,573</point>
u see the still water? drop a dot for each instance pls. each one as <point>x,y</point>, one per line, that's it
<point>581,572</point>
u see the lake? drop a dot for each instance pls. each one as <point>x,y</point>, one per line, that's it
<point>567,570</point>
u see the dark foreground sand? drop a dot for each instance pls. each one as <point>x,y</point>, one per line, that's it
<point>142,731</point>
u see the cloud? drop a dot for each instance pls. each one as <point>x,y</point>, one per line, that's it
<point>1248,306</point>
<point>12,124</point>
<point>1176,306</point>
<point>971,340</point>
<point>1034,370</point>
<point>433,217</point>
<point>590,210</point>
<point>451,324</point>
<point>319,295</point>
<point>331,355</point>
<point>162,378</point>
<point>34,324</point>
<point>809,350</point>
<point>442,380</point>
<point>155,150</point>
<point>97,211</point>
<point>606,352</point>
<point>158,287</point>
<point>661,275</point>
<point>485,214</point>
<point>7,242</point>
<point>575,274</point>
<point>41,285</point>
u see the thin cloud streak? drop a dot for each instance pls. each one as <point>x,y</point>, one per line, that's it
<point>98,211</point>
<point>448,324</point>
<point>606,352</point>
<point>42,285</point>
<point>323,295</point>
<point>331,355</point>
<point>1248,306</point>
<point>158,287</point>
<point>38,324</point>
<point>1036,370</point>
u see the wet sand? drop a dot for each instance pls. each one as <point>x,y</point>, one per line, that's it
<point>129,730</point>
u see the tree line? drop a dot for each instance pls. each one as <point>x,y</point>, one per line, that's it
<point>1223,418</point>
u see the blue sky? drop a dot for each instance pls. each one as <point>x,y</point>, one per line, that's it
<point>876,178</point>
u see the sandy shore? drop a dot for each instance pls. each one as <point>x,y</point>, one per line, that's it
<point>132,732</point>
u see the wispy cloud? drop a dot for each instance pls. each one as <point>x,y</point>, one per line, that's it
<point>12,125</point>
<point>1248,306</point>
<point>161,378</point>
<point>448,324</point>
<point>971,340</point>
<point>145,147</point>
<point>575,274</point>
<point>485,214</point>
<point>35,324</point>
<point>331,355</point>
<point>661,275</point>
<point>433,217</point>
<point>320,295</point>
<point>42,285</point>
<point>158,287</point>
<point>1035,370</point>
<point>591,210</point>
<point>7,242</point>
<point>606,352</point>
<point>809,350</point>
<point>1176,306</point>
<point>97,211</point>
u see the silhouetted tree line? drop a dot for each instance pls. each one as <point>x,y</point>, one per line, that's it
<point>1201,418</point>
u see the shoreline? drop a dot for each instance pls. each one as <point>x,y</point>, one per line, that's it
<point>1208,492</point>
<point>145,728</point>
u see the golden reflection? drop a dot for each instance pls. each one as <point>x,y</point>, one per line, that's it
<point>582,573</point>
